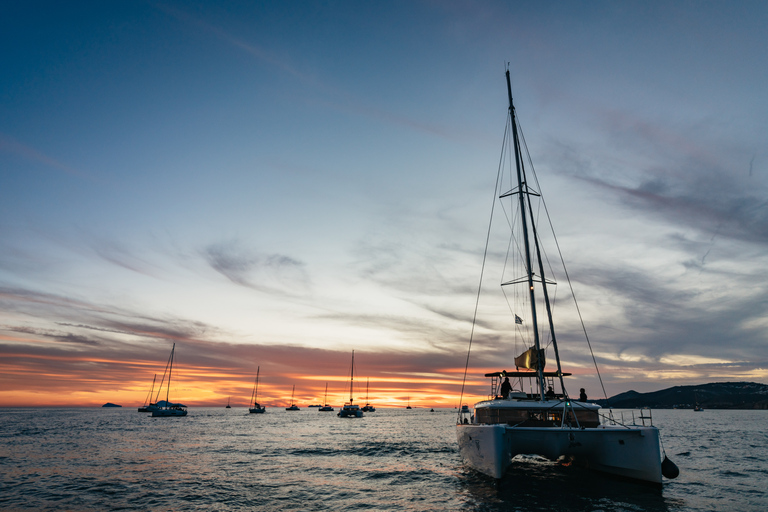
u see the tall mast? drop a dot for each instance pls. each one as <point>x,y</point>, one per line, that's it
<point>256,389</point>
<point>170,371</point>
<point>352,377</point>
<point>151,390</point>
<point>523,193</point>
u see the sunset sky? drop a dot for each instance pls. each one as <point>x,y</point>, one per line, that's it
<point>276,184</point>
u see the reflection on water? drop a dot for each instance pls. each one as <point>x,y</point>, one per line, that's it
<point>392,459</point>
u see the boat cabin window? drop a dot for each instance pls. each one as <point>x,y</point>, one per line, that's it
<point>535,417</point>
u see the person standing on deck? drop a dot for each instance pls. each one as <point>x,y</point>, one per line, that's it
<point>506,387</point>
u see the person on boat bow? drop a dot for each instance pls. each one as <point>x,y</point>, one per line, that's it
<point>550,392</point>
<point>582,395</point>
<point>506,387</point>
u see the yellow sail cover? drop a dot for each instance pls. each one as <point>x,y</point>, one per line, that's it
<point>530,359</point>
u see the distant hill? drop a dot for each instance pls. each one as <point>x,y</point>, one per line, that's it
<point>718,395</point>
<point>110,404</point>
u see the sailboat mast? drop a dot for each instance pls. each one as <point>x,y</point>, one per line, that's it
<point>170,371</point>
<point>523,193</point>
<point>256,391</point>
<point>151,390</point>
<point>352,377</point>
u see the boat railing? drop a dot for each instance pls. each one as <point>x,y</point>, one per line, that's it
<point>635,417</point>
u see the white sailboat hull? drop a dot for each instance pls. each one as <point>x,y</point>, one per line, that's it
<point>631,452</point>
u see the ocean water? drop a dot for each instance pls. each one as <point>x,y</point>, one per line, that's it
<point>392,459</point>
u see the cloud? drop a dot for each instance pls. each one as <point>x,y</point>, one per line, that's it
<point>11,145</point>
<point>272,273</point>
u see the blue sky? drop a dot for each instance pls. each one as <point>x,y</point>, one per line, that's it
<point>314,177</point>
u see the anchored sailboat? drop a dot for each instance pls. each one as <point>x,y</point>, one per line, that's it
<point>326,407</point>
<point>293,406</point>
<point>169,409</point>
<point>350,409</point>
<point>148,405</point>
<point>526,415</point>
<point>255,396</point>
<point>367,407</point>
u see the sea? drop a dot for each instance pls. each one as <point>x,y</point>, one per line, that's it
<point>392,459</point>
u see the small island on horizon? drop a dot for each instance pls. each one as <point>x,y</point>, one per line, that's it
<point>110,404</point>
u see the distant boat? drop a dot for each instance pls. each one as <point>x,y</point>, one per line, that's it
<point>169,409</point>
<point>148,405</point>
<point>696,406</point>
<point>350,409</point>
<point>367,407</point>
<point>293,405</point>
<point>255,395</point>
<point>326,407</point>
<point>409,404</point>
<point>228,406</point>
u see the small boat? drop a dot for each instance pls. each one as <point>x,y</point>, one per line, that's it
<point>409,404</point>
<point>228,406</point>
<point>524,417</point>
<point>169,409</point>
<point>293,406</point>
<point>256,409</point>
<point>367,407</point>
<point>696,406</point>
<point>326,407</point>
<point>148,405</point>
<point>351,409</point>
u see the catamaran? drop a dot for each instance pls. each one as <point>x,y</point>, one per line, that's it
<point>351,409</point>
<point>256,409</point>
<point>168,408</point>
<point>525,415</point>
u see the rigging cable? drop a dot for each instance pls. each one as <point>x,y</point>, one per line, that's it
<point>482,270</point>
<point>565,270</point>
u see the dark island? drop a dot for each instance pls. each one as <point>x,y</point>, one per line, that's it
<point>718,395</point>
<point>110,404</point>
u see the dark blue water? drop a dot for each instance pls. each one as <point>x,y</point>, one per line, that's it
<point>392,459</point>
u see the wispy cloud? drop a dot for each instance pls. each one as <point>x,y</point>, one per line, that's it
<point>10,145</point>
<point>274,273</point>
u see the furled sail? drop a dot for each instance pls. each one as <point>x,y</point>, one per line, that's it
<point>530,359</point>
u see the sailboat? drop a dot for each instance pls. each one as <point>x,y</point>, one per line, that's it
<point>148,405</point>
<point>228,406</point>
<point>351,409</point>
<point>367,407</point>
<point>255,395</point>
<point>696,406</point>
<point>326,407</point>
<point>409,404</point>
<point>520,417</point>
<point>169,409</point>
<point>293,406</point>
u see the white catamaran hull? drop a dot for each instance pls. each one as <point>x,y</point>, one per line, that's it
<point>627,452</point>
